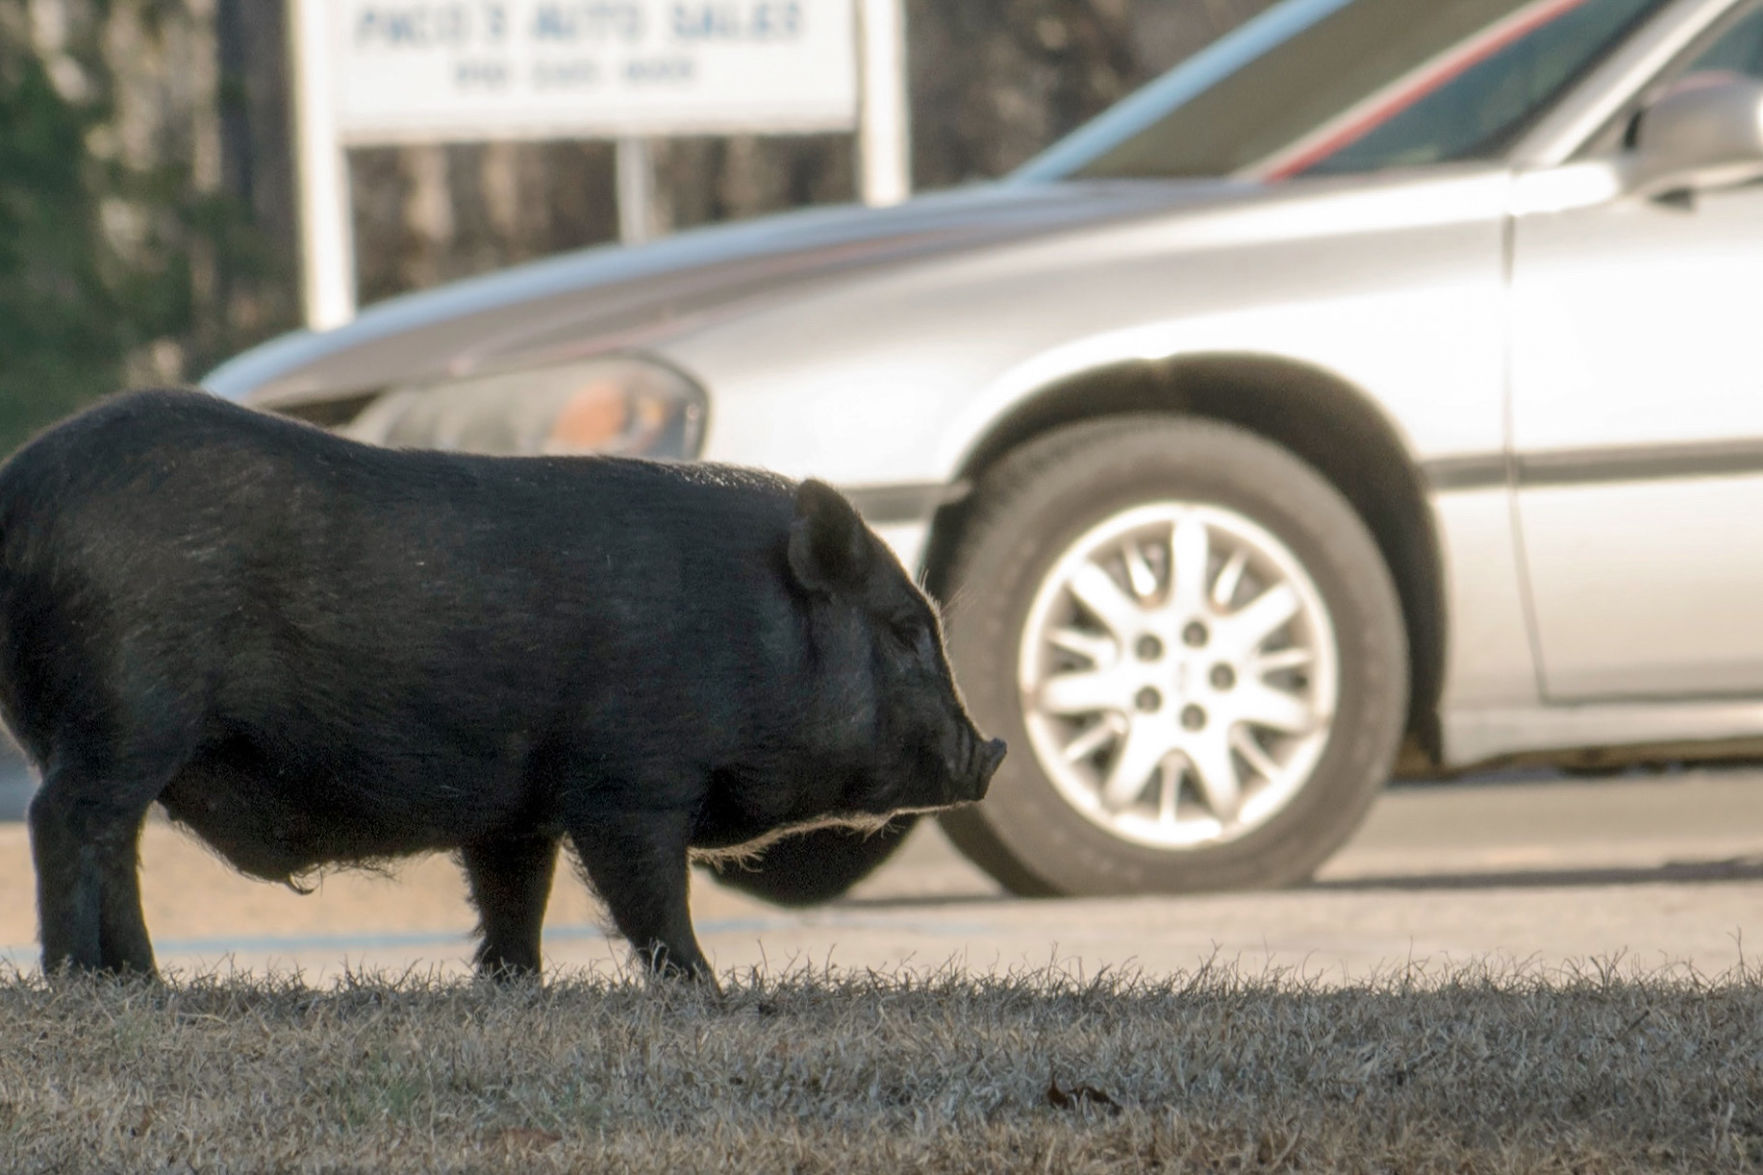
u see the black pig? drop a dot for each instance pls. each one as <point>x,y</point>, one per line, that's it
<point>316,652</point>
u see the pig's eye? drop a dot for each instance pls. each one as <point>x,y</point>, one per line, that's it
<point>917,638</point>
<point>909,634</point>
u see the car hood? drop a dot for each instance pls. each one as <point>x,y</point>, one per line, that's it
<point>610,297</point>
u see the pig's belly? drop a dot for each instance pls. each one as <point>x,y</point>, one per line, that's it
<point>273,822</point>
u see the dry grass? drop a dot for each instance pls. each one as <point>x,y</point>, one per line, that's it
<point>1469,1070</point>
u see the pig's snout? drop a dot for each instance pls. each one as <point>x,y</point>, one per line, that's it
<point>986,758</point>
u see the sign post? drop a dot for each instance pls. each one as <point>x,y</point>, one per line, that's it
<point>635,180</point>
<point>327,234</point>
<point>408,71</point>
<point>883,169</point>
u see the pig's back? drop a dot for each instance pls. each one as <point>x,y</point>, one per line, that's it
<point>190,486</point>
<point>293,576</point>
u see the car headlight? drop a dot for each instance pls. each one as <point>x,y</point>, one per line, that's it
<point>626,406</point>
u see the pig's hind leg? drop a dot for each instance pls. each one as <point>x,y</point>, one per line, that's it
<point>85,828</point>
<point>510,884</point>
<point>636,861</point>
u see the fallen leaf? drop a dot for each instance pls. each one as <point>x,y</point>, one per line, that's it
<point>525,1138</point>
<point>1077,1095</point>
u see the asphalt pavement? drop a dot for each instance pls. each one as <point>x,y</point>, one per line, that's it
<point>1636,872</point>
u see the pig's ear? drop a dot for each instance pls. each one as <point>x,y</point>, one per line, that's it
<point>829,547</point>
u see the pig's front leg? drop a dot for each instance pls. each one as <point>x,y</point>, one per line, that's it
<point>510,884</point>
<point>636,861</point>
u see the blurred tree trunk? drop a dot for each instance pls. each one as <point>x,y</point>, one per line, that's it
<point>123,256</point>
<point>995,81</point>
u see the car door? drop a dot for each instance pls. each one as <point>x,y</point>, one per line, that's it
<point>1637,429</point>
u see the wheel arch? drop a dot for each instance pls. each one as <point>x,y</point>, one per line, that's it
<point>1315,414</point>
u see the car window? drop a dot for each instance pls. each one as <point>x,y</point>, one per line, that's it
<point>1486,105</point>
<point>1315,86</point>
<point>1738,52</point>
<point>1734,50</point>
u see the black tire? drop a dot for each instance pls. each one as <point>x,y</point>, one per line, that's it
<point>1034,506</point>
<point>815,867</point>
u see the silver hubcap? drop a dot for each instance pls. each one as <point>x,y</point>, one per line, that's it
<point>1178,675</point>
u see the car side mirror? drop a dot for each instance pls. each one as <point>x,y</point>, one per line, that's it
<point>1700,136</point>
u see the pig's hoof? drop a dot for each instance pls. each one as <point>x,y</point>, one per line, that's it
<point>68,973</point>
<point>707,982</point>
<point>509,977</point>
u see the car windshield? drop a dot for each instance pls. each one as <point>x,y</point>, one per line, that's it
<point>1335,86</point>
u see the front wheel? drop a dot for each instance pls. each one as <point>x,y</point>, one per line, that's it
<point>1198,645</point>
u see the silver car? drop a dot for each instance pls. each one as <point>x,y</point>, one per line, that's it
<point>1378,391</point>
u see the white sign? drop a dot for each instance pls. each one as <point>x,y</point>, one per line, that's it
<point>457,70</point>
<point>450,70</point>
